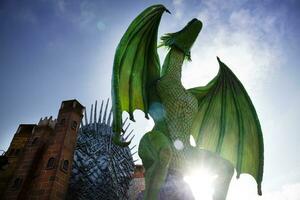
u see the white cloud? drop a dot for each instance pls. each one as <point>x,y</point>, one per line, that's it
<point>287,192</point>
<point>246,40</point>
<point>245,188</point>
<point>178,13</point>
<point>177,2</point>
<point>86,18</point>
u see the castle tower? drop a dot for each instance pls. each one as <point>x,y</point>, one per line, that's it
<point>45,167</point>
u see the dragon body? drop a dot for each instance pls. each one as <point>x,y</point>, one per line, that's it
<point>180,106</point>
<point>220,116</point>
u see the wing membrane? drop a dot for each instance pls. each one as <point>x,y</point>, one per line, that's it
<point>136,67</point>
<point>227,123</point>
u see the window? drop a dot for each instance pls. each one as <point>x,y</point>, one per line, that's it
<point>74,125</point>
<point>17,152</point>
<point>17,183</point>
<point>34,141</point>
<point>51,163</point>
<point>65,165</point>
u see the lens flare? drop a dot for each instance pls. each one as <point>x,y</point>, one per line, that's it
<point>201,183</point>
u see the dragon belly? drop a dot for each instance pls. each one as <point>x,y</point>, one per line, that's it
<point>180,108</point>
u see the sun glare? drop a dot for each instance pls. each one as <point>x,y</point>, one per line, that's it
<point>201,183</point>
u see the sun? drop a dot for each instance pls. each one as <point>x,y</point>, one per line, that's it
<point>201,183</point>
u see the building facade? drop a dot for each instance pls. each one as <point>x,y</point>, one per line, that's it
<point>40,156</point>
<point>58,159</point>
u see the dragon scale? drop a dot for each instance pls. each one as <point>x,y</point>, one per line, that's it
<point>180,106</point>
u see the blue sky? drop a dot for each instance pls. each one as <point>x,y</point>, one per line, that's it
<point>55,50</point>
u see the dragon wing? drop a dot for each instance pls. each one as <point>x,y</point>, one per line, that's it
<point>136,68</point>
<point>227,124</point>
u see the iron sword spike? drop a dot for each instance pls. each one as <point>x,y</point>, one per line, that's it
<point>95,113</point>
<point>124,121</point>
<point>132,147</point>
<point>127,127</point>
<point>100,112</point>
<point>109,117</point>
<point>91,115</point>
<point>132,137</point>
<point>105,111</point>
<point>128,135</point>
<point>85,117</point>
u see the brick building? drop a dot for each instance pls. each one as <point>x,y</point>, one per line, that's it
<point>40,156</point>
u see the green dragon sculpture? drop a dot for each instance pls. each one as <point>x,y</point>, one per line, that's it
<point>220,116</point>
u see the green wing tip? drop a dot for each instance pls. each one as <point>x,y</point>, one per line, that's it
<point>131,117</point>
<point>221,64</point>
<point>219,61</point>
<point>259,192</point>
<point>158,6</point>
<point>146,116</point>
<point>167,11</point>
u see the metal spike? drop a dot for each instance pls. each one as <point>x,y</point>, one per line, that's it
<point>105,111</point>
<point>126,128</point>
<point>135,160</point>
<point>124,121</point>
<point>109,117</point>
<point>95,113</point>
<point>85,117</point>
<point>91,115</point>
<point>131,137</point>
<point>128,135</point>
<point>100,112</point>
<point>133,153</point>
<point>132,147</point>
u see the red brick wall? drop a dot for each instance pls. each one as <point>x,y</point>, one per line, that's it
<point>18,142</point>
<point>38,180</point>
<point>53,182</point>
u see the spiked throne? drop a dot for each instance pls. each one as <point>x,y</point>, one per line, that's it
<point>101,170</point>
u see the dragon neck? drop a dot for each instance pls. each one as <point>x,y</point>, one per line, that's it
<point>172,66</point>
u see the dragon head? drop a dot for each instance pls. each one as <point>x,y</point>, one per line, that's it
<point>183,39</point>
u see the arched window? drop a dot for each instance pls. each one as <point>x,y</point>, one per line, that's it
<point>65,166</point>
<point>17,152</point>
<point>17,183</point>
<point>34,141</point>
<point>51,163</point>
<point>74,125</point>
